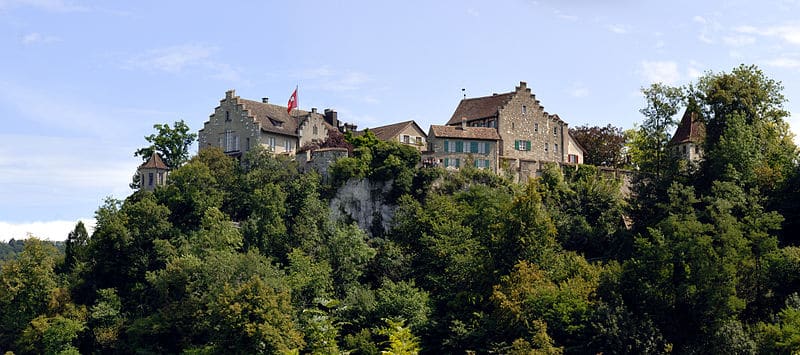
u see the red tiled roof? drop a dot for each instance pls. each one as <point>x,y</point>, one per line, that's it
<point>390,132</point>
<point>484,133</point>
<point>154,162</point>
<point>479,107</point>
<point>691,129</point>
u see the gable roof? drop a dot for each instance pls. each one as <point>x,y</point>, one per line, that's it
<point>479,107</point>
<point>577,143</point>
<point>275,119</point>
<point>690,130</point>
<point>389,132</point>
<point>483,133</point>
<point>154,162</point>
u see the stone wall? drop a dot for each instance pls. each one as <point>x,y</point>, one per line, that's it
<point>524,119</point>
<point>319,160</point>
<point>230,121</point>
<point>362,201</point>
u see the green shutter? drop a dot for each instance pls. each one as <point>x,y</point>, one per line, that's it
<point>459,146</point>
<point>446,145</point>
<point>528,145</point>
<point>516,145</point>
<point>458,163</point>
<point>446,161</point>
<point>473,147</point>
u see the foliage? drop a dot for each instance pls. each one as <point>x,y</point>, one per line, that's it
<point>172,143</point>
<point>604,145</point>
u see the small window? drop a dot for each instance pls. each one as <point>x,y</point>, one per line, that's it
<point>247,143</point>
<point>149,179</point>
<point>524,109</point>
<point>287,145</point>
<point>555,148</point>
<point>555,131</point>
<point>545,147</point>
<point>419,140</point>
<point>316,131</point>
<point>272,142</point>
<point>406,139</point>
<point>536,127</point>
<point>227,116</point>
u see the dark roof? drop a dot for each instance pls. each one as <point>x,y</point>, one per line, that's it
<point>479,107</point>
<point>691,129</point>
<point>389,132</point>
<point>484,133</point>
<point>154,162</point>
<point>274,118</point>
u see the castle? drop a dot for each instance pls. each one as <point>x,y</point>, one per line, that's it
<point>509,131</point>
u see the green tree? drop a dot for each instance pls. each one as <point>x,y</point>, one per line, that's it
<point>76,246</point>
<point>172,143</point>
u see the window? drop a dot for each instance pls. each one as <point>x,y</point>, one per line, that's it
<point>572,158</point>
<point>418,140</point>
<point>272,142</point>
<point>228,140</point>
<point>524,109</point>
<point>555,148</point>
<point>227,116</point>
<point>406,139</point>
<point>473,147</point>
<point>483,147</point>
<point>522,145</point>
<point>545,147</point>
<point>315,130</point>
<point>536,127</point>
<point>555,131</point>
<point>160,180</point>
<point>446,146</point>
<point>287,145</point>
<point>149,179</point>
<point>481,163</point>
<point>491,124</point>
<point>247,143</point>
<point>459,146</point>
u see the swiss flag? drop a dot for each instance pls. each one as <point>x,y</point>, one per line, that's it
<point>292,102</point>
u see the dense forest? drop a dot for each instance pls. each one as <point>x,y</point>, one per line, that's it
<point>244,257</point>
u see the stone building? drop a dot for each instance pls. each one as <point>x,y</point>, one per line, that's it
<point>528,135</point>
<point>239,124</point>
<point>453,146</point>
<point>408,133</point>
<point>152,173</point>
<point>687,142</point>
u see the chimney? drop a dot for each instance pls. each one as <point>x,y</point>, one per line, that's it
<point>332,117</point>
<point>313,110</point>
<point>265,100</point>
<point>463,123</point>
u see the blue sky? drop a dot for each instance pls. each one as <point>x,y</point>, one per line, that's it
<point>82,82</point>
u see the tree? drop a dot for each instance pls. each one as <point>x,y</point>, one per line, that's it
<point>77,241</point>
<point>653,134</point>
<point>172,143</point>
<point>603,144</point>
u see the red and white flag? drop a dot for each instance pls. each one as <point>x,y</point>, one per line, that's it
<point>292,102</point>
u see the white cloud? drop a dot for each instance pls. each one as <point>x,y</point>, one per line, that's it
<point>739,41</point>
<point>472,12</point>
<point>35,37</point>
<point>578,90</point>
<point>48,230</point>
<point>703,37</point>
<point>788,33</point>
<point>700,19</point>
<point>788,63</point>
<point>659,72</point>
<point>325,78</point>
<point>46,5</point>
<point>618,29</point>
<point>177,59</point>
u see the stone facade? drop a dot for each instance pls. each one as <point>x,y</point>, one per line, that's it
<point>453,147</point>
<point>529,135</point>
<point>237,125</point>
<point>153,173</point>
<point>687,142</point>
<point>319,160</point>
